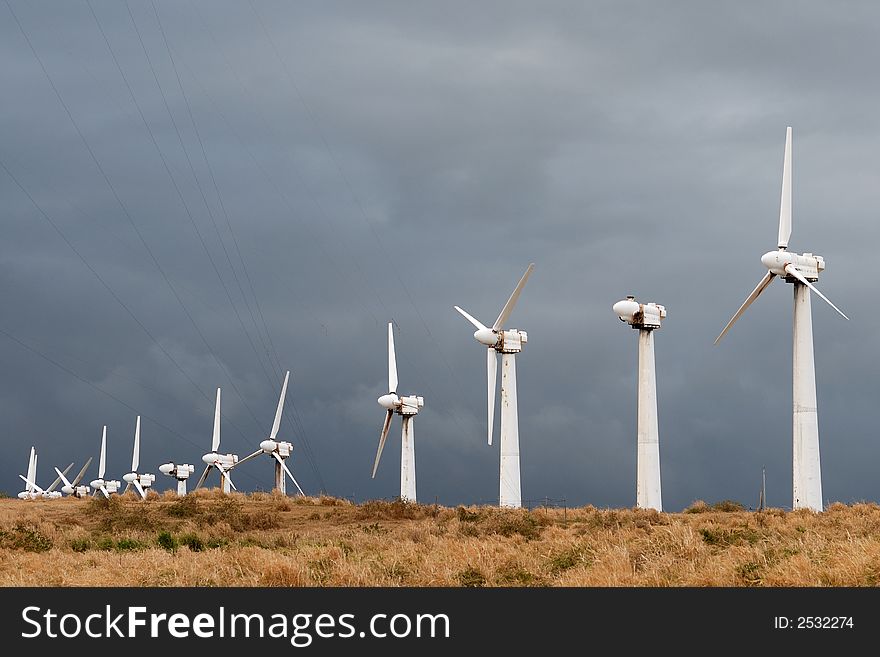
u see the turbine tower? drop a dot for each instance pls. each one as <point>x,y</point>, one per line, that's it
<point>222,462</point>
<point>646,318</point>
<point>99,484</point>
<point>802,270</point>
<point>508,343</point>
<point>279,450</point>
<point>140,481</point>
<point>407,408</point>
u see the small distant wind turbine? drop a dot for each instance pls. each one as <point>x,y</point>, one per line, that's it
<point>279,450</point>
<point>140,481</point>
<point>180,472</point>
<point>32,491</point>
<point>646,317</point>
<point>802,271</point>
<point>73,488</point>
<point>99,484</point>
<point>508,343</point>
<point>222,462</point>
<point>407,407</point>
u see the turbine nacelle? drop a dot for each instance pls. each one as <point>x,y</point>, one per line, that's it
<point>222,461</point>
<point>110,485</point>
<point>281,447</point>
<point>808,265</point>
<point>180,472</point>
<point>639,315</point>
<point>410,405</point>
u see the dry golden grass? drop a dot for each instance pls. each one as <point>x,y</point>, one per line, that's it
<point>208,539</point>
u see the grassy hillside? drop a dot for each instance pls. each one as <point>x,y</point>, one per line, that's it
<point>209,539</point>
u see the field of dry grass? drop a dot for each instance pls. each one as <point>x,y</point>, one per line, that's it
<point>208,539</point>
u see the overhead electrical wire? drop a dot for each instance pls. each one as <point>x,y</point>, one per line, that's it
<point>269,347</point>
<point>355,198</point>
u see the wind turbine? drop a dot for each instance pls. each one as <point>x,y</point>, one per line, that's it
<point>279,450</point>
<point>646,318</point>
<point>508,343</point>
<point>179,472</point>
<point>99,484</point>
<point>32,491</point>
<point>222,462</point>
<point>802,271</point>
<point>407,407</point>
<point>72,487</point>
<point>140,481</point>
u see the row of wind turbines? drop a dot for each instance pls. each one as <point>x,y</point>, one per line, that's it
<point>278,450</point>
<point>801,270</point>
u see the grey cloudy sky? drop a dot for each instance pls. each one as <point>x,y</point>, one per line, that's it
<point>386,160</point>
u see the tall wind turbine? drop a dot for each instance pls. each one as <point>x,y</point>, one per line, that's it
<point>222,462</point>
<point>279,450</point>
<point>407,408</point>
<point>140,481</point>
<point>100,484</point>
<point>802,271</point>
<point>646,318</point>
<point>508,343</point>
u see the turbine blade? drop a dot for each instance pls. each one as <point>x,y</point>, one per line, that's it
<point>58,479</point>
<point>63,478</point>
<point>140,489</point>
<point>136,454</point>
<point>30,483</point>
<point>392,360</point>
<point>480,326</point>
<point>203,477</point>
<point>32,465</point>
<point>382,438</point>
<point>277,423</point>
<point>215,440</point>
<point>105,491</point>
<point>511,302</point>
<point>492,370</point>
<point>229,479</point>
<point>792,271</point>
<point>102,462</point>
<point>246,458</point>
<point>289,473</point>
<point>785,203</point>
<point>127,488</point>
<point>82,473</point>
<point>768,277</point>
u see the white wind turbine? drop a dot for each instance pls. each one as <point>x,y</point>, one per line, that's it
<point>508,343</point>
<point>99,484</point>
<point>34,492</point>
<point>279,450</point>
<point>140,481</point>
<point>73,488</point>
<point>222,462</point>
<point>180,472</point>
<point>407,407</point>
<point>646,317</point>
<point>802,271</point>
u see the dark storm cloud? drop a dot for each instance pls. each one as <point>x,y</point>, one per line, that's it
<point>404,157</point>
